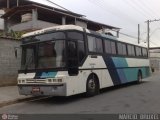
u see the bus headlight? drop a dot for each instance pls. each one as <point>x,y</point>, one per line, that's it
<point>59,80</point>
<point>23,81</point>
<point>49,80</point>
<point>19,81</point>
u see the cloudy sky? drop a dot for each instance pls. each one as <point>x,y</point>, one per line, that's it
<point>125,14</point>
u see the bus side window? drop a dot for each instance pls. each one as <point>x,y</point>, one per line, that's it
<point>92,44</point>
<point>122,49</point>
<point>144,52</point>
<point>138,51</point>
<point>95,44</point>
<point>81,50</point>
<point>99,45</point>
<point>113,47</point>
<point>110,47</point>
<point>131,51</point>
<point>77,36</point>
<point>107,44</point>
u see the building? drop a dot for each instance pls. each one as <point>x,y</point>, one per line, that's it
<point>1,21</point>
<point>155,58</point>
<point>25,15</point>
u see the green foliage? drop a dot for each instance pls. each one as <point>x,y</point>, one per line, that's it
<point>16,34</point>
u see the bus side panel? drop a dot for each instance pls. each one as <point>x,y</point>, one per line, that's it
<point>94,65</point>
<point>123,70</point>
<point>106,80</point>
<point>77,84</point>
<point>140,64</point>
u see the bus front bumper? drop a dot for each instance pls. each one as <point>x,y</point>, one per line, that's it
<point>42,90</point>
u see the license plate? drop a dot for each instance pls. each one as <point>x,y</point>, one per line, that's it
<point>35,89</point>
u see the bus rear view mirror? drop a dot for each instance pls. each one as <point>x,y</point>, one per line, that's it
<point>73,71</point>
<point>16,52</point>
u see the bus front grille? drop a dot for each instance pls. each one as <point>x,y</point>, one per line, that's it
<point>35,81</point>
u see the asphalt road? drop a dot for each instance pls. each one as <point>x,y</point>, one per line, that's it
<point>132,98</point>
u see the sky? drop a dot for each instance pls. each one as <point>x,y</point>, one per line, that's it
<point>125,14</point>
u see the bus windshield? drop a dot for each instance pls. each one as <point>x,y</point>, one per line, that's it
<point>45,54</point>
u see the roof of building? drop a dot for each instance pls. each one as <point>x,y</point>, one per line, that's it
<point>33,6</point>
<point>28,2</point>
<point>25,5</point>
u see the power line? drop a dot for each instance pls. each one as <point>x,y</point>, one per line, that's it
<point>141,10</point>
<point>58,5</point>
<point>112,11</point>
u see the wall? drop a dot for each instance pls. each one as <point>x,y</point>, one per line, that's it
<point>155,60</point>
<point>82,24</point>
<point>1,20</point>
<point>9,64</point>
<point>32,25</point>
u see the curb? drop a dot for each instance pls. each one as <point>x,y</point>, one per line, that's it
<point>19,100</point>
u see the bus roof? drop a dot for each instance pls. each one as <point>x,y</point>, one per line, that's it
<point>72,27</point>
<point>64,27</point>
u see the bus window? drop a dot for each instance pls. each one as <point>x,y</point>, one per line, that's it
<point>110,47</point>
<point>99,45</point>
<point>50,36</point>
<point>122,49</point>
<point>113,47</point>
<point>138,51</point>
<point>28,57</point>
<point>144,52</point>
<point>131,51</point>
<point>107,46</point>
<point>92,44</point>
<point>75,36</point>
<point>51,54</point>
<point>95,44</point>
<point>81,49</point>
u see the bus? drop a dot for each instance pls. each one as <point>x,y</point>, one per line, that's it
<point>67,60</point>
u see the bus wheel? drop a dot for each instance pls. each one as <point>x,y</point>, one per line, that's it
<point>92,86</point>
<point>139,76</point>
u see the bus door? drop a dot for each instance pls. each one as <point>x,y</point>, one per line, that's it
<point>72,57</point>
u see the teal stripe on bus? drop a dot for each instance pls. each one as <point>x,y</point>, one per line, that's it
<point>120,62</point>
<point>127,74</point>
<point>48,74</point>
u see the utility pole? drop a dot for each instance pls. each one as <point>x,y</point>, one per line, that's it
<point>138,33</point>
<point>148,33</point>
<point>148,36</point>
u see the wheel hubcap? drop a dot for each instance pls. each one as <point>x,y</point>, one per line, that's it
<point>91,84</point>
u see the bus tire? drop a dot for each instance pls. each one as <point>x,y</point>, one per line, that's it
<point>92,86</point>
<point>139,77</point>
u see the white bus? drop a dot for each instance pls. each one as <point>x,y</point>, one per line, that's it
<point>68,60</point>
